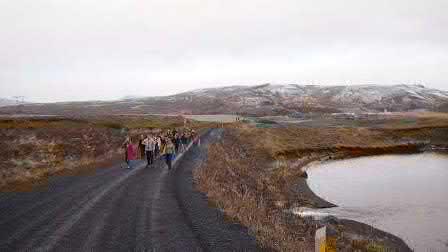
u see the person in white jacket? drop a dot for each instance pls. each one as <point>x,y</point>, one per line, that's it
<point>149,149</point>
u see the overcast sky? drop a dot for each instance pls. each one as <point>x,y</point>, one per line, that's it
<point>54,50</point>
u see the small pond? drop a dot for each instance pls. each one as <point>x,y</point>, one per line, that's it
<point>406,195</point>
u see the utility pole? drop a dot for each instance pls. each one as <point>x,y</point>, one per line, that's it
<point>306,104</point>
<point>19,102</point>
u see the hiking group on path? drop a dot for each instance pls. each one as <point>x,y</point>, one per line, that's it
<point>166,144</point>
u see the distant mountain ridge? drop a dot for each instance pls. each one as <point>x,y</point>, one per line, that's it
<point>8,102</point>
<point>357,98</point>
<point>266,99</point>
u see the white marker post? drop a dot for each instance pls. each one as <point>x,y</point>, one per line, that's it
<point>321,240</point>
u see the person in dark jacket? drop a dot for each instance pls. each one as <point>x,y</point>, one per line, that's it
<point>157,147</point>
<point>196,139</point>
<point>184,141</point>
<point>141,147</point>
<point>177,142</point>
<point>125,148</point>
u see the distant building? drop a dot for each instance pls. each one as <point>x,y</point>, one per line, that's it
<point>297,115</point>
<point>349,116</point>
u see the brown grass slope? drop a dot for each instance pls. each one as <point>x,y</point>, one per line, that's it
<point>251,172</point>
<point>34,149</point>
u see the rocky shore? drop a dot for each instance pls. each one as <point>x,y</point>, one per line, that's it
<point>352,234</point>
<point>349,234</point>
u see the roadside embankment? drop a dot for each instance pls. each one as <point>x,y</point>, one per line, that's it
<point>35,148</point>
<point>256,177</point>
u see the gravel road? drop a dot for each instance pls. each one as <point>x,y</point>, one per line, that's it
<point>115,209</point>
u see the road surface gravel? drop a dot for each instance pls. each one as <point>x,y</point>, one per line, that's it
<point>115,209</point>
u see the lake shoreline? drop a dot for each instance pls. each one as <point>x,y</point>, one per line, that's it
<point>252,174</point>
<point>360,232</point>
<point>352,231</point>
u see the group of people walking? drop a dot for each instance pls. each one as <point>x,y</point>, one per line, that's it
<point>151,147</point>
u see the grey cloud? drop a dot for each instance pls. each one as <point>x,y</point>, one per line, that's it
<point>59,50</point>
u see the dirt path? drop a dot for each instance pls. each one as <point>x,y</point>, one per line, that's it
<point>144,209</point>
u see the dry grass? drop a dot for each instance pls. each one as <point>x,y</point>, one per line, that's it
<point>250,172</point>
<point>34,149</point>
<point>38,124</point>
<point>239,179</point>
<point>295,142</point>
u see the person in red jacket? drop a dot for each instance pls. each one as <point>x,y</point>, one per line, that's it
<point>132,154</point>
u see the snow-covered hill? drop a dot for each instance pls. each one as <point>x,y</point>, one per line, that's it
<point>267,99</point>
<point>325,98</point>
<point>7,102</point>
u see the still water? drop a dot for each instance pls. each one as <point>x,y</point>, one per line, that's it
<point>406,195</point>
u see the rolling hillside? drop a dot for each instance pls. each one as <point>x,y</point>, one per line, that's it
<point>267,99</point>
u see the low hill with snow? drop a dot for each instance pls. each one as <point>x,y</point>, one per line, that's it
<point>267,99</point>
<point>361,98</point>
<point>7,102</point>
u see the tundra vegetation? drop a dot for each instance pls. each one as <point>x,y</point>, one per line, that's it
<point>252,173</point>
<point>33,149</point>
